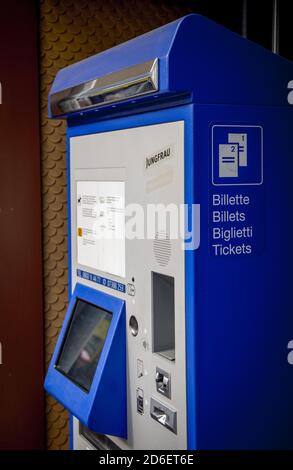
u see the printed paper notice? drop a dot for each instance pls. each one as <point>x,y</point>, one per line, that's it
<point>101,226</point>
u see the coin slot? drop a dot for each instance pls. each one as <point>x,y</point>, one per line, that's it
<point>133,325</point>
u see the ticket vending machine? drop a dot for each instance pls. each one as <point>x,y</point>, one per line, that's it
<point>178,340</point>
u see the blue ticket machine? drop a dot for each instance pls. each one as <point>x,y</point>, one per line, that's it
<point>178,338</point>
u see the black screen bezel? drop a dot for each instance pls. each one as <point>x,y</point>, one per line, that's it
<point>79,299</point>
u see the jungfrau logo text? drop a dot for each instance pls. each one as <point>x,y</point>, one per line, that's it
<point>158,157</point>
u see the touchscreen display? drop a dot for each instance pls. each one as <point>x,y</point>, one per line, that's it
<point>83,343</point>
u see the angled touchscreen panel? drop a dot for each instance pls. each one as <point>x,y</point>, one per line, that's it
<point>83,343</point>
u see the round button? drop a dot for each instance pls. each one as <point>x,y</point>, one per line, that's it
<point>133,325</point>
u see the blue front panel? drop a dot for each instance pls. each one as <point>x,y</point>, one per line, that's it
<point>243,295</point>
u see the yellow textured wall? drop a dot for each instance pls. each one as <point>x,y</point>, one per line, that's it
<point>70,31</point>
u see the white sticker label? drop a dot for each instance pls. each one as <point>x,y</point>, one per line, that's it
<point>228,161</point>
<point>101,226</point>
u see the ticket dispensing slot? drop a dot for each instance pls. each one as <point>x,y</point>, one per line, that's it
<point>163,315</point>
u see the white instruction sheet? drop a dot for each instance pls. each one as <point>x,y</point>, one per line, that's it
<point>101,226</point>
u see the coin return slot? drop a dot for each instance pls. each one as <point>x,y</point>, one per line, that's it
<point>164,415</point>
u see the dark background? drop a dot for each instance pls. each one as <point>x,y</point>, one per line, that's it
<point>21,318</point>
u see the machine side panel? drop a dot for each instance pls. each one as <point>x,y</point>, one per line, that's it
<point>243,277</point>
